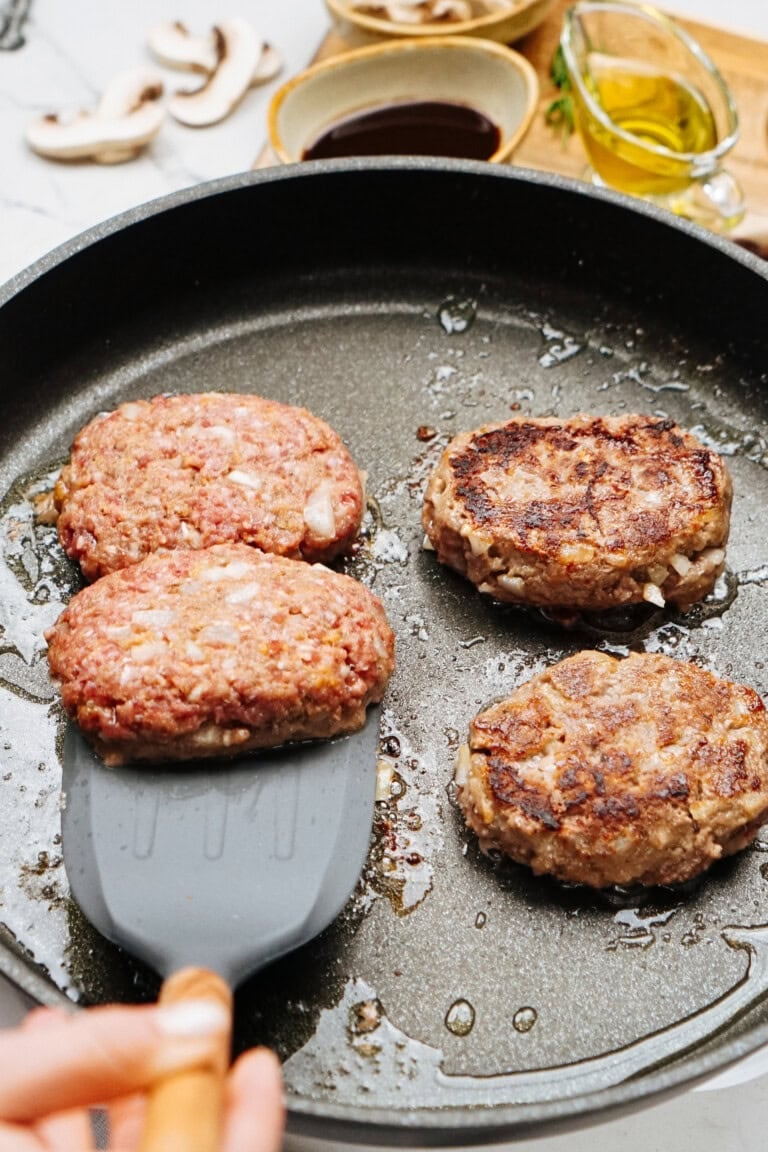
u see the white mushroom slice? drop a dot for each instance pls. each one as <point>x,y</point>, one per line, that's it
<point>269,65</point>
<point>128,91</point>
<point>404,13</point>
<point>128,117</point>
<point>175,46</point>
<point>420,11</point>
<point>238,54</point>
<point>451,10</point>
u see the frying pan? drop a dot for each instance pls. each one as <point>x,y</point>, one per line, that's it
<point>456,998</point>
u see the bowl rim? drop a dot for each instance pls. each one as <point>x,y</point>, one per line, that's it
<point>451,43</point>
<point>342,10</point>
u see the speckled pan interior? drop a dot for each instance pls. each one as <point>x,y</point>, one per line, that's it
<point>457,999</point>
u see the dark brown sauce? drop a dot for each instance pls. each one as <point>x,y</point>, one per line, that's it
<point>418,128</point>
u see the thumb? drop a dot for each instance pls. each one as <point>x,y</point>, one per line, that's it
<point>102,1054</point>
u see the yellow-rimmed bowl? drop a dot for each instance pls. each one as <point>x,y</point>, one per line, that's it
<point>503,24</point>
<point>482,74</point>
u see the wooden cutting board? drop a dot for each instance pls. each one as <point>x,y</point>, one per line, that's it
<point>743,62</point>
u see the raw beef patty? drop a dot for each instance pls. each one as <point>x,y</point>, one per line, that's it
<point>217,651</point>
<point>191,471</point>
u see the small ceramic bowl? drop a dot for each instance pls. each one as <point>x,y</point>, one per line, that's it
<point>503,23</point>
<point>481,75</point>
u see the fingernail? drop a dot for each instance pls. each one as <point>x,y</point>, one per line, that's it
<point>192,1018</point>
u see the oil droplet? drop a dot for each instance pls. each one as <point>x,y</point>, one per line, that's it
<point>456,314</point>
<point>717,602</point>
<point>460,1018</point>
<point>481,920</point>
<point>560,347</point>
<point>524,1019</point>
<point>391,746</point>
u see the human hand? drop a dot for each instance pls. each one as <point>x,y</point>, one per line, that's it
<point>56,1066</point>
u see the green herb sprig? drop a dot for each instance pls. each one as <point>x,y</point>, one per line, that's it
<point>559,114</point>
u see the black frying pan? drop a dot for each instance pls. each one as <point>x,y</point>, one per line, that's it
<point>456,999</point>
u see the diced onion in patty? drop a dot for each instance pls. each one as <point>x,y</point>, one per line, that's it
<point>653,594</point>
<point>681,564</point>
<point>513,584</point>
<point>318,512</point>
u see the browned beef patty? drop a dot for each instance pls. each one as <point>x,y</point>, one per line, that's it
<point>217,651</point>
<point>602,771</point>
<point>191,471</point>
<point>587,513</point>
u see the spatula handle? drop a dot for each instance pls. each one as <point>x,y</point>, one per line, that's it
<point>184,1112</point>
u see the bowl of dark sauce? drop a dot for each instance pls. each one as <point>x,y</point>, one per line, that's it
<point>460,97</point>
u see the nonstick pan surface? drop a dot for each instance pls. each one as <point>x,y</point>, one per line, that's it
<point>457,999</point>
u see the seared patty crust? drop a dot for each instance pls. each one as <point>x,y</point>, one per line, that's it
<point>588,513</point>
<point>191,471</point>
<point>603,771</point>
<point>218,651</point>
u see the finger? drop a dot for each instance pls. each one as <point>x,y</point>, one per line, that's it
<point>126,1121</point>
<point>65,1132</point>
<point>40,1019</point>
<point>16,1139</point>
<point>103,1053</point>
<point>255,1112</point>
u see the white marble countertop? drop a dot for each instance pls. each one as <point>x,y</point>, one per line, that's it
<point>71,52</point>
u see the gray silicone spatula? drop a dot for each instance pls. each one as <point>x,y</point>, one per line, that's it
<point>209,872</point>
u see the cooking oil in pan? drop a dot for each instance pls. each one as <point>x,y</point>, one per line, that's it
<point>35,582</point>
<point>460,1018</point>
<point>401,1072</point>
<point>524,1019</point>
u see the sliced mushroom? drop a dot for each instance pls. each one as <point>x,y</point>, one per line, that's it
<point>128,116</point>
<point>175,46</point>
<point>238,54</point>
<point>420,11</point>
<point>127,94</point>
<point>451,10</point>
<point>269,65</point>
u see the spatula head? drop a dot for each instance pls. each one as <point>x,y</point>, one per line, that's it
<point>228,864</point>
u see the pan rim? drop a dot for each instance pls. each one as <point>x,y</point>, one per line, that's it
<point>309,170</point>
<point>444,1126</point>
